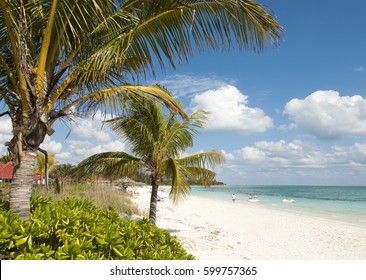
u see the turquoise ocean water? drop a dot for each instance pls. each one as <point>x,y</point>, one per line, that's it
<point>342,203</point>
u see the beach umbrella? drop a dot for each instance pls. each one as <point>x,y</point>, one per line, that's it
<point>124,182</point>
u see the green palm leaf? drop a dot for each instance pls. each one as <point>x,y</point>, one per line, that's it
<point>110,164</point>
<point>207,159</point>
<point>180,187</point>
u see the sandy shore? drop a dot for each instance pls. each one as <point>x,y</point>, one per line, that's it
<point>213,229</point>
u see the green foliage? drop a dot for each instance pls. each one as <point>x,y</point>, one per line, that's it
<point>76,229</point>
<point>105,197</point>
<point>4,190</point>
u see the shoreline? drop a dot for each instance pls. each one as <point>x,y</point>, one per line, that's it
<point>212,229</point>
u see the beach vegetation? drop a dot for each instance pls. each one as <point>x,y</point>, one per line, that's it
<point>62,59</point>
<point>105,197</point>
<point>76,229</point>
<point>158,142</point>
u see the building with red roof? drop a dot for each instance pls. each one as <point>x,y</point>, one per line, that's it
<point>6,172</point>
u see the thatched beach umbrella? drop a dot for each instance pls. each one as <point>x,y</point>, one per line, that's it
<point>124,182</point>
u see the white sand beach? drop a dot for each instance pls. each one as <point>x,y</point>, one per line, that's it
<point>213,229</point>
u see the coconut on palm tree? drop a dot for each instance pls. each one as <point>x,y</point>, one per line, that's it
<point>60,58</point>
<point>158,142</point>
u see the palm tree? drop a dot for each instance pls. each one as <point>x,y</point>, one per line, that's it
<point>60,58</point>
<point>61,173</point>
<point>157,142</point>
<point>44,164</point>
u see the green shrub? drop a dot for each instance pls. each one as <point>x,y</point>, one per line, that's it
<point>73,228</point>
<point>4,190</point>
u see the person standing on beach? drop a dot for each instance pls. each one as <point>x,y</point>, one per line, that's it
<point>234,197</point>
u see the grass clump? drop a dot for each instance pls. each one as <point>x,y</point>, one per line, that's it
<point>105,197</point>
<point>75,228</point>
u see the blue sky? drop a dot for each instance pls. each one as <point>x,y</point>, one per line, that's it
<point>294,114</point>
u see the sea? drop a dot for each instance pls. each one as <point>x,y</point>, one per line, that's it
<point>341,203</point>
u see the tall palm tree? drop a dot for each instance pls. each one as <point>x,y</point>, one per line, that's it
<point>59,58</point>
<point>157,142</point>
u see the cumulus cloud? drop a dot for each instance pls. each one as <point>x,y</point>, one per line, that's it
<point>282,153</point>
<point>51,146</point>
<point>229,111</point>
<point>5,133</point>
<point>93,128</point>
<point>77,150</point>
<point>355,154</point>
<point>300,154</point>
<point>227,156</point>
<point>294,162</point>
<point>327,115</point>
<point>89,136</point>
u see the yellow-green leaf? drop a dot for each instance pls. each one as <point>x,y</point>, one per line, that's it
<point>21,241</point>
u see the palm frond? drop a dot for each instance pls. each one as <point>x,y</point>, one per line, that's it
<point>117,100</point>
<point>200,176</point>
<point>179,135</point>
<point>110,164</point>
<point>168,30</point>
<point>180,187</point>
<point>203,160</point>
<point>142,127</point>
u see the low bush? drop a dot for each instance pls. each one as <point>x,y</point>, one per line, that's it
<point>74,228</point>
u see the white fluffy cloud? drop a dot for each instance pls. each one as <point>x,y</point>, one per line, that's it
<point>89,136</point>
<point>5,133</point>
<point>328,115</point>
<point>51,146</point>
<point>80,149</point>
<point>295,162</point>
<point>282,153</point>
<point>92,128</point>
<point>229,111</point>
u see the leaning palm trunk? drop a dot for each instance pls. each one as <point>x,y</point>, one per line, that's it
<point>21,186</point>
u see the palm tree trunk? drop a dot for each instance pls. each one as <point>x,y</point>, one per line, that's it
<point>21,186</point>
<point>153,202</point>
